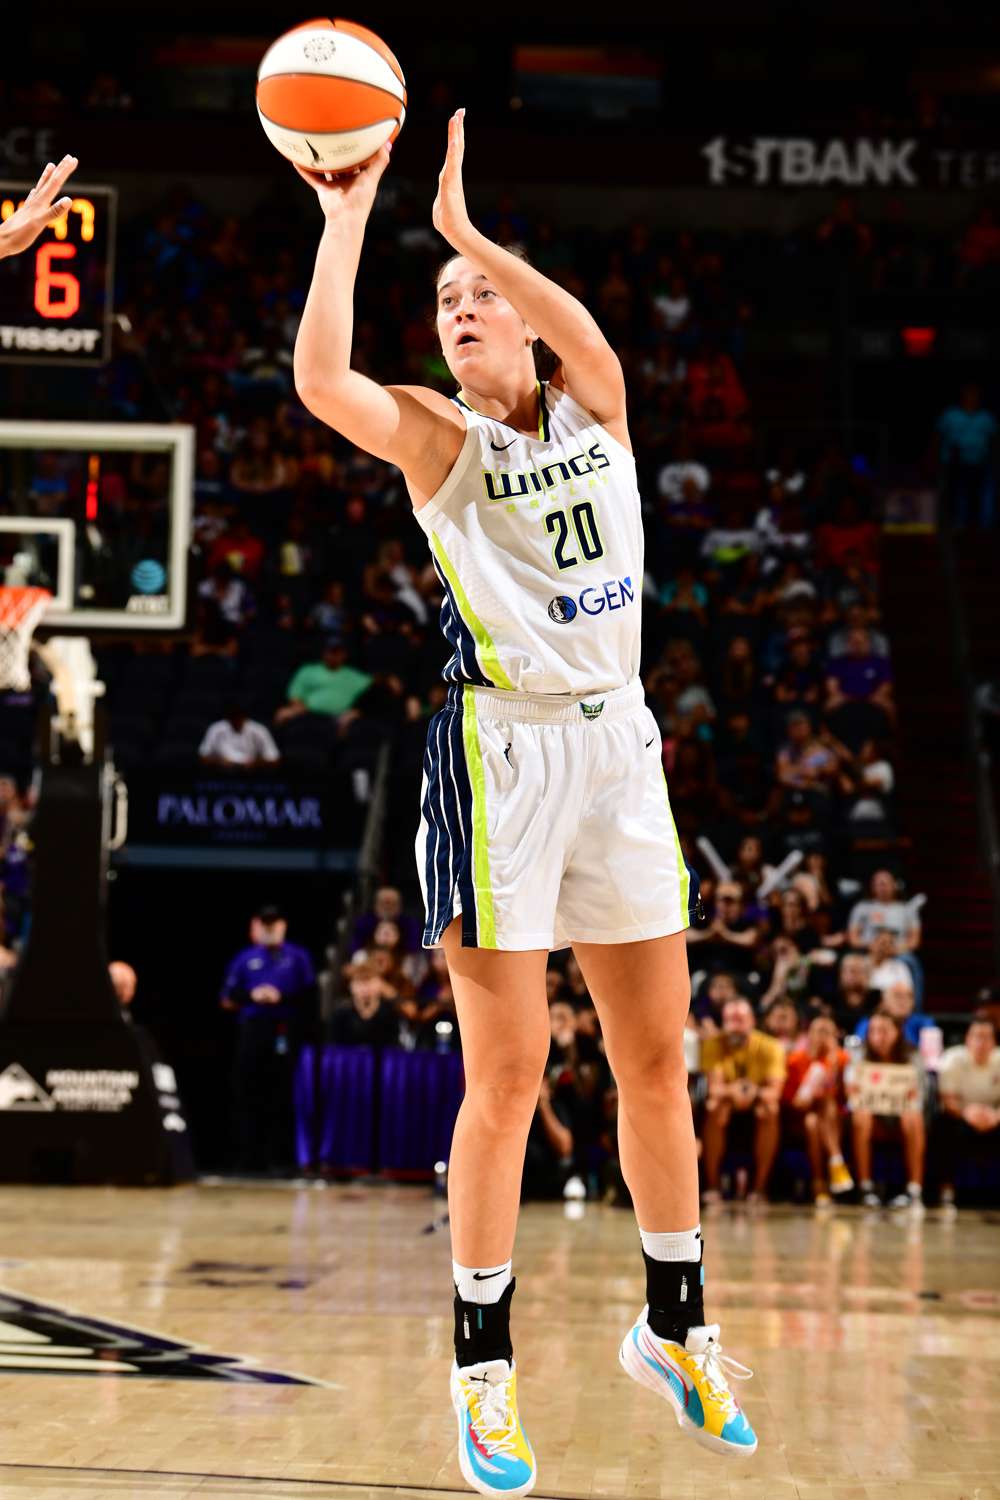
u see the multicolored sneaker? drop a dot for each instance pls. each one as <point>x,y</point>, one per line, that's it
<point>493,1451</point>
<point>693,1377</point>
<point>841,1180</point>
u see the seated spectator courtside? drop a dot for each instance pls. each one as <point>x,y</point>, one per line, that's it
<point>746,1073</point>
<point>968,1125</point>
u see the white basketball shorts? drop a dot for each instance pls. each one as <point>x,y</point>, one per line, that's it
<point>546,822</point>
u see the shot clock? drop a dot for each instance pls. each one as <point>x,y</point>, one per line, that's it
<point>56,297</point>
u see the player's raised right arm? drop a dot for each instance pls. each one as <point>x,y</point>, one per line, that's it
<point>417,430</point>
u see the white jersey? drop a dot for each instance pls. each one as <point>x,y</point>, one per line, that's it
<point>538,544</point>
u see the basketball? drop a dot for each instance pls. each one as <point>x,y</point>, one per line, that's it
<point>330,94</point>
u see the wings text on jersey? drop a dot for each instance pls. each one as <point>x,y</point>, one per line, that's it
<point>508,484</point>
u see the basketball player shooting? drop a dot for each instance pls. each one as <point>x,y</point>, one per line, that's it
<point>545,821</point>
<point>38,210</point>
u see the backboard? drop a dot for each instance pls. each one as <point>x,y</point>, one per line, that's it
<point>100,514</point>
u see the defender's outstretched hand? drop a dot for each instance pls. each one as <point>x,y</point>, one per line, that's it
<point>449,214</point>
<point>348,195</point>
<point>41,206</point>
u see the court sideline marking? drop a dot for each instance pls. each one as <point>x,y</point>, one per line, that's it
<point>332,1484</point>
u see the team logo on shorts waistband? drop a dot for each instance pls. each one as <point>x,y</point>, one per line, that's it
<point>592,710</point>
<point>562,609</point>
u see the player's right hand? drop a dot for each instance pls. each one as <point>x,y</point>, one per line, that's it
<point>349,194</point>
<point>39,209</point>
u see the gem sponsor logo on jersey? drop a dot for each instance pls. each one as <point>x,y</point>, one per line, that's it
<point>514,484</point>
<point>614,593</point>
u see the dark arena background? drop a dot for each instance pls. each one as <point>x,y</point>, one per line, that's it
<point>225,1266</point>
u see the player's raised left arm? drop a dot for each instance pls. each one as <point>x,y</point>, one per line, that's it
<point>591,368</point>
<point>41,206</point>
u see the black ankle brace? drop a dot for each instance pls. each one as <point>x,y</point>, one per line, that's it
<point>482,1330</point>
<point>675,1296</point>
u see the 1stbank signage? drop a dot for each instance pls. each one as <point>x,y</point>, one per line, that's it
<point>797,161</point>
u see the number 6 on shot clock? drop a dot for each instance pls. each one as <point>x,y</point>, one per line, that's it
<point>56,299</point>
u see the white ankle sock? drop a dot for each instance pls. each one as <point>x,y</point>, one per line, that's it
<point>685,1244</point>
<point>482,1284</point>
<point>837,1161</point>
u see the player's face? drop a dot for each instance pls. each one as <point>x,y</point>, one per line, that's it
<point>481,332</point>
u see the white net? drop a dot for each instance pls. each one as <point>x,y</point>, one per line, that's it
<point>20,611</point>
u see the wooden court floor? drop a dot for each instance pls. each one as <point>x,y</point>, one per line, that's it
<point>875,1340</point>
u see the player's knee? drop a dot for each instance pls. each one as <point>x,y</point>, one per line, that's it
<point>505,1094</point>
<point>658,1073</point>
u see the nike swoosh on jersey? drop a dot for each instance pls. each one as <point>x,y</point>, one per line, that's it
<point>649,742</point>
<point>502,447</point>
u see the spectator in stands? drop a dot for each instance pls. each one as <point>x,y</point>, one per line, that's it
<point>711,1000</point>
<point>405,969</point>
<point>124,982</point>
<point>967,433</point>
<point>745,790</point>
<point>979,251</point>
<point>234,741</point>
<point>738,688</point>
<point>886,1043</point>
<point>748,866</point>
<point>673,304</point>
<point>857,617</point>
<point>746,1074</point>
<point>271,988</point>
<point>805,762</point>
<point>578,1075</point>
<point>898,1000</point>
<point>866,781</point>
<point>328,686</point>
<point>694,701</point>
<point>227,596</point>
<point>845,237</point>
<point>434,1003</point>
<point>684,604</point>
<point>548,1157</point>
<point>790,924</point>
<point>883,911</point>
<point>859,676</point>
<point>890,967</point>
<point>727,546</point>
<point>387,906</point>
<point>239,548</point>
<point>968,1125</point>
<point>800,680</point>
<point>329,616</point>
<point>729,938</point>
<point>849,539</point>
<point>812,1106</point>
<point>683,482</point>
<point>781,1021</point>
<point>370,1017</point>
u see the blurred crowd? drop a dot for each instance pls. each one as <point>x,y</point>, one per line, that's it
<point>834,1086</point>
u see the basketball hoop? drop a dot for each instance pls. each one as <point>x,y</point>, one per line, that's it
<point>20,611</point>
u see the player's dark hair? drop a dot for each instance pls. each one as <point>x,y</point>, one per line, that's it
<point>545,359</point>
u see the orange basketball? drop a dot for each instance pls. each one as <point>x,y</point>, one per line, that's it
<point>329,94</point>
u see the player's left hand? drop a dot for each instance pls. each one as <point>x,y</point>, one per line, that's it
<point>449,214</point>
<point>38,210</point>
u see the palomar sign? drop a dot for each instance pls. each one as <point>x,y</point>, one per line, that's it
<point>234,810</point>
